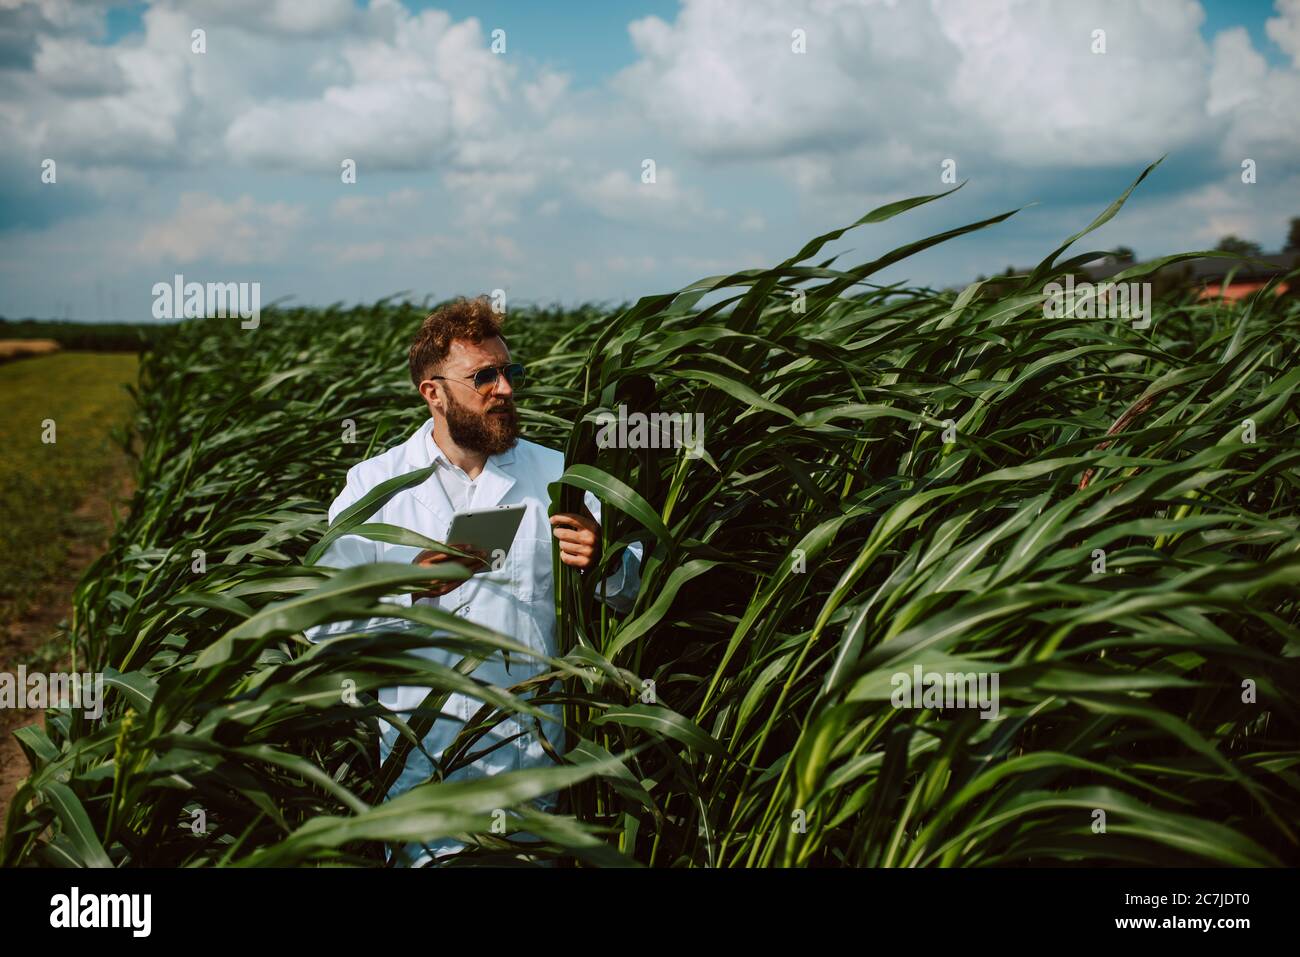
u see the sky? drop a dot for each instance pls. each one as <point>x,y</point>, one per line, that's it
<point>522,168</point>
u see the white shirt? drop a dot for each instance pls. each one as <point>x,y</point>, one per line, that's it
<point>518,603</point>
<point>460,488</point>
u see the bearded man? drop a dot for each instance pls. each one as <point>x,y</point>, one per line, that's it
<point>461,366</point>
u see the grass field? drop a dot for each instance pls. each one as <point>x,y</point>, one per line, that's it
<point>1102,516</point>
<point>42,483</point>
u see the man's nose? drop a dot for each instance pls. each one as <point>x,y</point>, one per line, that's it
<point>502,387</point>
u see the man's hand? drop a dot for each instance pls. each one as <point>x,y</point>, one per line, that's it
<point>579,538</point>
<point>430,557</point>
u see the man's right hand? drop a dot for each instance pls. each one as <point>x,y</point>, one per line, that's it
<point>442,587</point>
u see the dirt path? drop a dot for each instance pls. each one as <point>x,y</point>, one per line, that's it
<point>24,639</point>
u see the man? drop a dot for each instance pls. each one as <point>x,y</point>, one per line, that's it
<point>461,365</point>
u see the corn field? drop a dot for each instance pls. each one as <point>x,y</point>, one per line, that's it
<point>1104,517</point>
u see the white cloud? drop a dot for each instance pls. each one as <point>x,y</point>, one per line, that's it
<point>398,125</point>
<point>1284,29</point>
<point>1255,102</point>
<point>349,253</point>
<point>1015,80</point>
<point>1238,71</point>
<point>491,197</point>
<point>283,85</point>
<point>546,91</point>
<point>1028,76</point>
<point>484,170</point>
<point>359,208</point>
<point>620,196</point>
<point>290,17</point>
<point>723,78</point>
<point>1199,217</point>
<point>71,65</point>
<point>424,96</point>
<point>205,227</point>
<point>24,22</point>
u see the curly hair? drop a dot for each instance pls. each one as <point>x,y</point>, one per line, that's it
<point>469,319</point>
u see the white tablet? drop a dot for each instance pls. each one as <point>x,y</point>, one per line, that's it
<point>491,529</point>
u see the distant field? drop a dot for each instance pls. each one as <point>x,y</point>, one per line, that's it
<point>22,348</point>
<point>42,484</point>
<point>83,336</point>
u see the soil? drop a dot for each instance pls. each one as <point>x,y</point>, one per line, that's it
<point>24,638</point>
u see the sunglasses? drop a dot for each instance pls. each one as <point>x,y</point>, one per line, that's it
<point>484,379</point>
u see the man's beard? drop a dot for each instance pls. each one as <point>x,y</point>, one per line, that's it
<point>486,433</point>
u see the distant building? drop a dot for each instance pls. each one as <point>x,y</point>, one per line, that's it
<point>1226,278</point>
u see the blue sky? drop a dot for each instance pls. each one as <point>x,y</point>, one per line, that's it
<point>1251,14</point>
<point>523,170</point>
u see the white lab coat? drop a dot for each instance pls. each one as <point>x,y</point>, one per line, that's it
<point>517,600</point>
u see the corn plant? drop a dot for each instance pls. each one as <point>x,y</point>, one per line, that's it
<point>1104,517</point>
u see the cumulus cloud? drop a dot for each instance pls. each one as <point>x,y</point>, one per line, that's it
<point>491,197</point>
<point>73,66</point>
<point>1197,218</point>
<point>1238,71</point>
<point>723,77</point>
<point>419,98</point>
<point>544,93</point>
<point>1015,79</point>
<point>504,169</point>
<point>1028,74</point>
<point>1256,103</point>
<point>23,25</point>
<point>900,86</point>
<point>204,227</point>
<point>289,17</point>
<point>99,106</point>
<point>1284,29</point>
<point>282,85</point>
<point>620,196</point>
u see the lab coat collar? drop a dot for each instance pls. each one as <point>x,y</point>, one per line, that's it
<point>494,481</point>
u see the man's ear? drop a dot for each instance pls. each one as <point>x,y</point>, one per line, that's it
<point>429,392</point>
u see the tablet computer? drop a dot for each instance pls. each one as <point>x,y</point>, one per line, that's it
<point>491,529</point>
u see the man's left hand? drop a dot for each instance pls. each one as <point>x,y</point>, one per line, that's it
<point>579,538</point>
